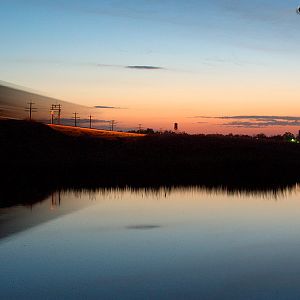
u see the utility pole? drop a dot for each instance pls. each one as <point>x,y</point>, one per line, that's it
<point>52,111</point>
<point>90,117</point>
<point>30,109</point>
<point>55,108</point>
<point>140,127</point>
<point>59,112</point>
<point>52,116</point>
<point>75,118</point>
<point>112,124</point>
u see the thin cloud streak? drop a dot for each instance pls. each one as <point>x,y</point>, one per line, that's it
<point>103,106</point>
<point>263,12</point>
<point>260,121</point>
<point>145,67</point>
<point>240,124</point>
<point>87,64</point>
<point>254,117</point>
<point>107,107</point>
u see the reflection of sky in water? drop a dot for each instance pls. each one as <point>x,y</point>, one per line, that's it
<point>182,244</point>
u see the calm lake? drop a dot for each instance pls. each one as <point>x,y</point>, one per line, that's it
<point>181,243</point>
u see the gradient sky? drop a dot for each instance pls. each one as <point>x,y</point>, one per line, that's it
<point>208,58</point>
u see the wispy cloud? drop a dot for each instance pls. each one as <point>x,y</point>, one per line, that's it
<point>145,67</point>
<point>59,62</point>
<point>276,18</point>
<point>107,107</point>
<point>264,11</point>
<point>150,11</point>
<point>253,121</point>
<point>133,67</point>
<point>255,124</point>
<point>233,60</point>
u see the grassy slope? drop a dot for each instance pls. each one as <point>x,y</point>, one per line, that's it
<point>79,131</point>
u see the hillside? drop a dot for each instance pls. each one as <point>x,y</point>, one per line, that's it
<point>87,132</point>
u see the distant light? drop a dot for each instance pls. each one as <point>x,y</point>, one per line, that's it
<point>294,141</point>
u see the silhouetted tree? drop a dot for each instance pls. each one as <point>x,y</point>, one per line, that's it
<point>288,136</point>
<point>260,136</point>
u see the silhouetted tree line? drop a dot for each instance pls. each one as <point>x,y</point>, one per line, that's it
<point>152,131</point>
<point>287,136</point>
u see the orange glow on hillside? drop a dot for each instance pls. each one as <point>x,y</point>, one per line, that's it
<point>79,131</point>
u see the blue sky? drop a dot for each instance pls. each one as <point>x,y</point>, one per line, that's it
<point>79,51</point>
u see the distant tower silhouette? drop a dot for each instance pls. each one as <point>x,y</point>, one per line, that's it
<point>175,126</point>
<point>90,119</point>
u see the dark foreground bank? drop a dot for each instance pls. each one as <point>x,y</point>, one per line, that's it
<point>35,157</point>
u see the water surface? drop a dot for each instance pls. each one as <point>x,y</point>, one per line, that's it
<point>183,243</point>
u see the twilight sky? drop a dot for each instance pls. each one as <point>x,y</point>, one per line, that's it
<point>200,63</point>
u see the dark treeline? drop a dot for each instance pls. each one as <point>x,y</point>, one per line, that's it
<point>287,136</point>
<point>36,158</point>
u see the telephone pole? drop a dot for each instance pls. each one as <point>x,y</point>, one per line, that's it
<point>90,117</point>
<point>140,127</point>
<point>55,108</point>
<point>52,115</point>
<point>59,112</point>
<point>112,124</point>
<point>75,118</point>
<point>30,109</point>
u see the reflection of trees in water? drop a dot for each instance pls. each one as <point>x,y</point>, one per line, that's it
<point>55,200</point>
<point>273,192</point>
<point>15,196</point>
